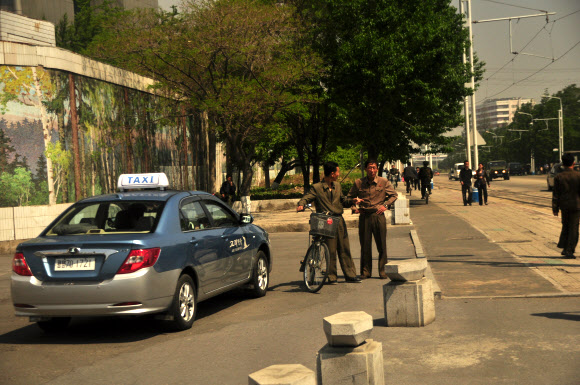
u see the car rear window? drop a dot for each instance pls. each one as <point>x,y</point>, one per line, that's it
<point>108,217</point>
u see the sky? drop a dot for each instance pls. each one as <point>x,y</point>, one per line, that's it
<point>508,75</point>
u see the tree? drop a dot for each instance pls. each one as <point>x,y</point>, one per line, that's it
<point>32,86</point>
<point>395,68</point>
<point>235,59</point>
<point>5,148</point>
<point>61,160</point>
<point>16,187</point>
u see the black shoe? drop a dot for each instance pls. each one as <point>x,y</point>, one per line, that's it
<point>332,282</point>
<point>569,256</point>
<point>563,252</point>
<point>353,279</point>
<point>486,203</point>
<point>470,204</point>
<point>465,204</point>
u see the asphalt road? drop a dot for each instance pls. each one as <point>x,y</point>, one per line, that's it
<point>529,189</point>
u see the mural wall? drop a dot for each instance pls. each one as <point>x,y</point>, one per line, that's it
<point>64,137</point>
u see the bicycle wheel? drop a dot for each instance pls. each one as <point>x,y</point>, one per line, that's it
<point>316,266</point>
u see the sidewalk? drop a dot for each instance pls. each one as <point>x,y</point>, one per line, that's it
<point>504,249</point>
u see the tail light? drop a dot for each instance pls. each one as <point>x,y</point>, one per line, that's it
<point>139,259</point>
<point>19,265</point>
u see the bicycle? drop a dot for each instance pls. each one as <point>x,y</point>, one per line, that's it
<point>394,179</point>
<point>315,263</point>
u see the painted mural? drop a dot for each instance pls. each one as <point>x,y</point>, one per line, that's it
<point>64,137</point>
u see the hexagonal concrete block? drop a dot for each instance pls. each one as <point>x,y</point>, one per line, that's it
<point>406,270</point>
<point>291,374</point>
<point>348,328</point>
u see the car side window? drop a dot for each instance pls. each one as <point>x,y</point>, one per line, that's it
<point>192,217</point>
<point>220,215</point>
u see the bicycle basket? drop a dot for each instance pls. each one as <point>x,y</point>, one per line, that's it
<point>325,225</point>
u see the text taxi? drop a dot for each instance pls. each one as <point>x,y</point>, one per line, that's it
<point>137,252</point>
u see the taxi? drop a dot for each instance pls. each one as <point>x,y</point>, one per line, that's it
<point>143,250</point>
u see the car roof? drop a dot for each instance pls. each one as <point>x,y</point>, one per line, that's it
<point>144,195</point>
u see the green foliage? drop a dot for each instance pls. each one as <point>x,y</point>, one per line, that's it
<point>89,22</point>
<point>16,187</point>
<point>396,70</point>
<point>347,157</point>
<point>61,161</point>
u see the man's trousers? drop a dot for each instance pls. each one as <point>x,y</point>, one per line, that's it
<point>369,225</point>
<point>341,245</point>
<point>569,234</point>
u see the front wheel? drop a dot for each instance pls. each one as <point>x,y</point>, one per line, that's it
<point>184,306</point>
<point>260,275</point>
<point>316,266</point>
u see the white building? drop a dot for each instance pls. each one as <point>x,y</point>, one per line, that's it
<point>494,113</point>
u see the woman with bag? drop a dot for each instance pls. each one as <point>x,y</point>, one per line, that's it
<point>482,183</point>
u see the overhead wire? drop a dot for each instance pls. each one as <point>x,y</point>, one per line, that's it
<point>514,5</point>
<point>526,45</point>
<point>541,69</point>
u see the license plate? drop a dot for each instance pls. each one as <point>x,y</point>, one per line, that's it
<point>74,264</point>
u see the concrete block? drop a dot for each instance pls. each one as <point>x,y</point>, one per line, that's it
<point>406,270</point>
<point>348,328</point>
<point>409,303</point>
<point>361,365</point>
<point>291,374</point>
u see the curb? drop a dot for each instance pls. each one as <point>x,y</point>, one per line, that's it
<point>420,253</point>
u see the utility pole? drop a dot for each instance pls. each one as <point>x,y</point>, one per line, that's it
<point>473,113</point>
<point>466,103</point>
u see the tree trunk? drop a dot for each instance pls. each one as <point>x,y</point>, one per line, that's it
<point>47,136</point>
<point>185,155</point>
<point>266,169</point>
<point>128,134</point>
<point>285,167</point>
<point>75,135</point>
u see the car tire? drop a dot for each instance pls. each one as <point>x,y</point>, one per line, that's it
<point>260,275</point>
<point>184,305</point>
<point>54,325</point>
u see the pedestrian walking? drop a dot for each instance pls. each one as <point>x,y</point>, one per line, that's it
<point>425,176</point>
<point>566,198</point>
<point>328,197</point>
<point>482,183</point>
<point>465,176</point>
<point>417,181</point>
<point>374,195</point>
<point>409,175</point>
<point>228,191</point>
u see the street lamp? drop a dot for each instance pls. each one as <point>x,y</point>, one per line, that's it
<point>560,126</point>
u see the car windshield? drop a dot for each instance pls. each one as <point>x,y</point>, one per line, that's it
<point>108,217</point>
<point>497,164</point>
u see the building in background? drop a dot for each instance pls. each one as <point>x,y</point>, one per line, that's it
<point>54,10</point>
<point>494,113</point>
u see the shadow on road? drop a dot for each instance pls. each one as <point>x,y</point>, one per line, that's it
<point>568,316</point>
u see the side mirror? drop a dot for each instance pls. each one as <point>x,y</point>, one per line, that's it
<point>246,218</point>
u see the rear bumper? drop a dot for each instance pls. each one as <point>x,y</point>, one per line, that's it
<point>151,291</point>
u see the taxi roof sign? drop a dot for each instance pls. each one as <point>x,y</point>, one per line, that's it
<point>137,181</point>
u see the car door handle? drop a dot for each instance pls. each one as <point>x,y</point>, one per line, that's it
<point>224,237</point>
<point>193,241</point>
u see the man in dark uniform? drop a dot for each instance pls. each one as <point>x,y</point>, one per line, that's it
<point>228,190</point>
<point>566,198</point>
<point>465,176</point>
<point>374,195</point>
<point>409,174</point>
<point>425,176</point>
<point>327,197</point>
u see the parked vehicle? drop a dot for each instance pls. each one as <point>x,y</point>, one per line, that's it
<point>515,168</point>
<point>498,169</point>
<point>153,251</point>
<point>555,170</point>
<point>455,170</point>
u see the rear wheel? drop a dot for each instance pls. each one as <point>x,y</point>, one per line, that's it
<point>316,266</point>
<point>54,325</point>
<point>260,275</point>
<point>184,306</point>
